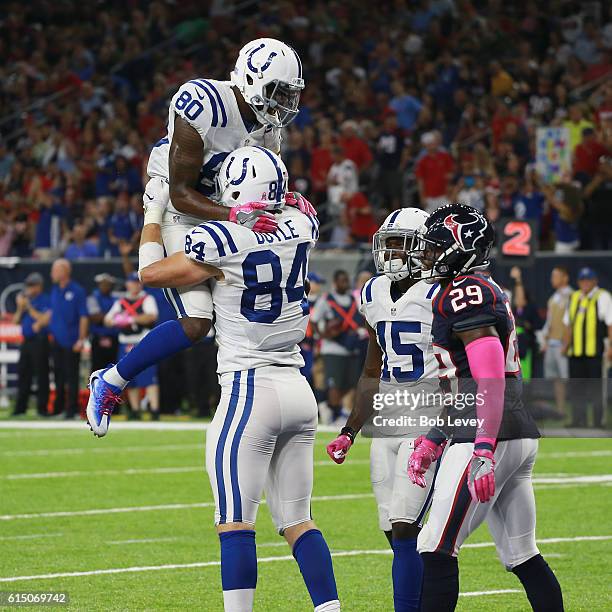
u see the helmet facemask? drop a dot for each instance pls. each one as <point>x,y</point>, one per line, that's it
<point>394,256</point>
<point>443,261</point>
<point>279,103</point>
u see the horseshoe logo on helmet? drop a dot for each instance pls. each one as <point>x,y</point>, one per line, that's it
<point>264,66</point>
<point>241,178</point>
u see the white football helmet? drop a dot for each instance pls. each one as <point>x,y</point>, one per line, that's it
<point>392,244</point>
<point>252,174</point>
<point>268,74</point>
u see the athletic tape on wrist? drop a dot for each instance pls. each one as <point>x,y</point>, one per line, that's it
<point>153,215</point>
<point>149,253</point>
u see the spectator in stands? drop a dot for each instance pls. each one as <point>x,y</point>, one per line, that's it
<point>342,182</point>
<point>433,171</point>
<point>359,217</point>
<point>598,196</point>
<point>122,227</point>
<point>501,81</point>
<point>391,159</point>
<point>530,201</point>
<point>554,334</point>
<point>355,148</point>
<point>49,227</point>
<point>342,329</point>
<point>587,155</point>
<point>405,106</point>
<point>79,246</point>
<point>33,312</point>
<point>589,321</point>
<point>7,233</point>
<point>527,322</point>
<point>69,328</point>
<point>576,124</point>
<point>565,200</point>
<point>104,342</point>
<point>132,316</point>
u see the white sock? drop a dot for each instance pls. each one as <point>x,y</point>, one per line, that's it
<point>238,600</point>
<point>113,377</point>
<point>329,606</point>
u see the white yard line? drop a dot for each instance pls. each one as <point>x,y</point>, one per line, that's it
<point>117,450</point>
<point>31,536</point>
<point>343,553</point>
<point>94,511</point>
<point>135,471</point>
<point>570,454</point>
<point>549,483</point>
<point>142,541</point>
<point>126,472</point>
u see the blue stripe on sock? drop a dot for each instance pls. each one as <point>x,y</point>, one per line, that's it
<point>213,104</point>
<point>215,237</point>
<point>230,241</point>
<point>229,417</point>
<point>219,100</point>
<point>179,303</point>
<point>246,413</point>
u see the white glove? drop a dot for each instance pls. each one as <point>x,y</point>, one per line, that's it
<point>155,200</point>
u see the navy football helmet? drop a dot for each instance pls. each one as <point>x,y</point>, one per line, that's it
<point>455,240</point>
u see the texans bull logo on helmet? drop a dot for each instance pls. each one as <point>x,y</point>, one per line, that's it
<point>467,231</point>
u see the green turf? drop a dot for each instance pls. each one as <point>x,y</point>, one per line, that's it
<point>185,535</point>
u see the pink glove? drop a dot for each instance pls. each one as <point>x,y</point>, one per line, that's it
<point>338,448</point>
<point>481,475</point>
<point>297,200</point>
<point>424,454</point>
<point>123,319</point>
<point>254,216</point>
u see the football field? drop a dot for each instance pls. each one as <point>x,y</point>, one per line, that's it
<point>126,523</point>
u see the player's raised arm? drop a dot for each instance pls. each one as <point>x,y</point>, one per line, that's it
<point>364,401</point>
<point>154,269</point>
<point>185,162</point>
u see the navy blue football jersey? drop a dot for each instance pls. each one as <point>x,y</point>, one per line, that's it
<point>471,302</point>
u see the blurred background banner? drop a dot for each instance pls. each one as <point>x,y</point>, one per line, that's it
<point>553,153</point>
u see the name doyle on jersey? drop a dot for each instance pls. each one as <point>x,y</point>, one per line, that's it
<point>286,233</point>
<point>426,421</point>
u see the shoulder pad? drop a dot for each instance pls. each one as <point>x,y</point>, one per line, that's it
<point>200,104</point>
<point>210,242</point>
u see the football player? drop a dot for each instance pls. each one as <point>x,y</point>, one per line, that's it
<point>486,472</point>
<point>262,435</point>
<point>207,120</point>
<point>398,309</point>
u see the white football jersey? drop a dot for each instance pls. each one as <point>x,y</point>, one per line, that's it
<point>261,311</point>
<point>210,107</point>
<point>403,332</point>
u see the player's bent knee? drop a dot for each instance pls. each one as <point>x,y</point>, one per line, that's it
<point>293,532</point>
<point>225,527</point>
<point>405,531</point>
<point>195,329</point>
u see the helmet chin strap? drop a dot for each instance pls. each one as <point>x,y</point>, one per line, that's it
<point>396,269</point>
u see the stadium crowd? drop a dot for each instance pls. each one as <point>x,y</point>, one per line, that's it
<point>407,109</point>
